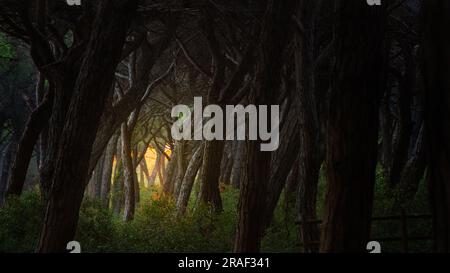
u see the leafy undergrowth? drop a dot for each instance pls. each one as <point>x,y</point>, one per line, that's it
<point>156,228</point>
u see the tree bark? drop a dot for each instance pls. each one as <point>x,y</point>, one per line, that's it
<point>71,166</point>
<point>353,125</point>
<point>209,191</point>
<point>156,167</point>
<point>238,153</point>
<point>96,181</point>
<point>252,199</point>
<point>170,172</point>
<point>113,116</point>
<point>189,179</point>
<point>107,170</point>
<point>162,170</point>
<point>405,126</point>
<point>144,172</point>
<point>37,122</point>
<point>129,175</point>
<point>6,162</point>
<point>283,160</point>
<point>309,158</point>
<point>436,64</point>
<point>118,186</point>
<point>227,164</point>
<point>184,157</point>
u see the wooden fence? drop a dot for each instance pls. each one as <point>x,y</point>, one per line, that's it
<point>403,236</point>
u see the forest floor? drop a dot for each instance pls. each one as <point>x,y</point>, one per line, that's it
<point>156,227</point>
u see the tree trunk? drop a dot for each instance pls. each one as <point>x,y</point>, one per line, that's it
<point>137,186</point>
<point>107,170</point>
<point>129,175</point>
<point>283,160</point>
<point>309,158</point>
<point>212,157</point>
<point>252,199</point>
<point>152,178</point>
<point>209,191</point>
<point>6,162</point>
<point>43,138</point>
<point>184,157</point>
<point>227,164</point>
<point>144,172</point>
<point>353,125</point>
<point>436,58</point>
<point>97,179</point>
<point>170,172</point>
<point>81,123</point>
<point>118,186</point>
<point>412,174</point>
<point>36,123</point>
<point>189,179</point>
<point>387,128</point>
<point>405,126</point>
<point>238,154</point>
<point>162,170</point>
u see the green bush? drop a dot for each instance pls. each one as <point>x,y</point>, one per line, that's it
<point>20,221</point>
<point>157,228</point>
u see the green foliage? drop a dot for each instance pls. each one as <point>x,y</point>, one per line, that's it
<point>283,233</point>
<point>6,49</point>
<point>157,228</point>
<point>96,227</point>
<point>7,53</point>
<point>383,206</point>
<point>20,221</point>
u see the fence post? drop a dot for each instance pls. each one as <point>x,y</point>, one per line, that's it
<point>404,231</point>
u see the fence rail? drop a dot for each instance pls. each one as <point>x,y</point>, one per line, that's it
<point>403,237</point>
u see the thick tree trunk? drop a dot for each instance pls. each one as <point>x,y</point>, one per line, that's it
<point>137,186</point>
<point>6,163</point>
<point>209,190</point>
<point>97,179</point>
<point>184,157</point>
<point>170,172</point>
<point>156,167</point>
<point>436,50</point>
<point>129,175</point>
<point>353,125</point>
<point>405,126</point>
<point>283,160</point>
<point>162,170</point>
<point>189,179</point>
<point>63,89</point>
<point>412,174</point>
<point>36,123</point>
<point>81,123</point>
<point>238,154</point>
<point>309,158</point>
<point>212,157</point>
<point>227,164</point>
<point>252,199</point>
<point>145,176</point>
<point>290,197</point>
<point>107,170</point>
<point>251,202</point>
<point>118,186</point>
<point>387,128</point>
<point>43,138</point>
